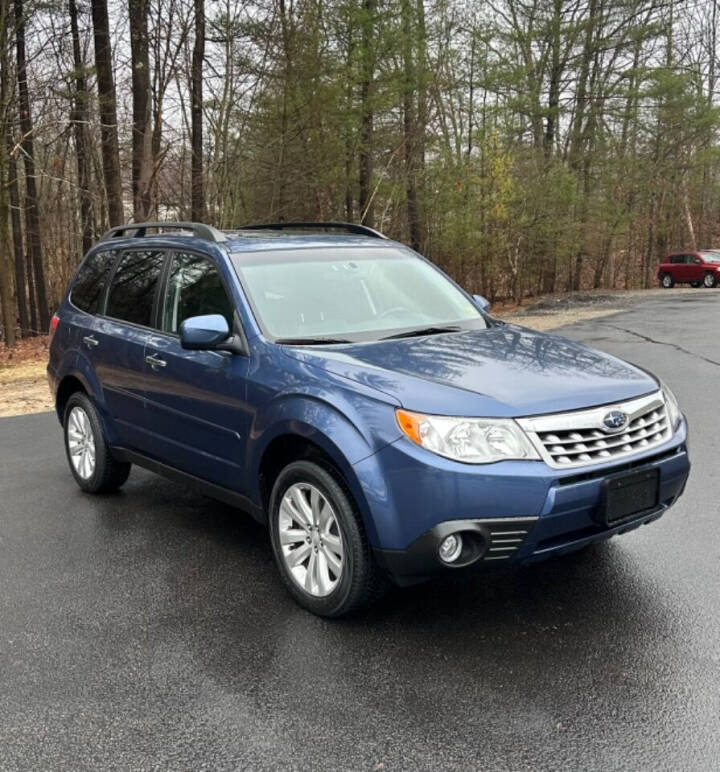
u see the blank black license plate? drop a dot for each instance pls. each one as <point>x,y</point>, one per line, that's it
<point>630,494</point>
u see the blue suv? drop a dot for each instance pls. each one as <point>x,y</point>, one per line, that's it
<point>350,396</point>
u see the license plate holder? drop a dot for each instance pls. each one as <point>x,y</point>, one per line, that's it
<point>629,494</point>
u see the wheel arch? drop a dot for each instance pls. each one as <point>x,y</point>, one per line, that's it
<point>296,443</point>
<point>69,384</point>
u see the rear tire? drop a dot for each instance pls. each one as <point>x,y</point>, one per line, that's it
<point>319,543</point>
<point>88,454</point>
<point>667,281</point>
<point>710,280</point>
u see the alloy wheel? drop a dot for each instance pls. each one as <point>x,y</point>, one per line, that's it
<point>310,539</point>
<point>709,280</point>
<point>81,443</point>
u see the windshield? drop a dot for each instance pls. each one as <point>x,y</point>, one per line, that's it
<point>711,257</point>
<point>350,293</point>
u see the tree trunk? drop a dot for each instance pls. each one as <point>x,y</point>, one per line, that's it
<point>142,133</point>
<point>108,113</point>
<point>21,281</point>
<point>32,216</point>
<point>80,119</point>
<point>6,261</point>
<point>367,44</point>
<point>410,124</point>
<point>196,181</point>
<point>553,111</point>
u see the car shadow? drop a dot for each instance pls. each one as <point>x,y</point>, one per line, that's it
<point>223,596</point>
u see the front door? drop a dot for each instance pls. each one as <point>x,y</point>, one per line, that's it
<point>196,409</point>
<point>694,268</point>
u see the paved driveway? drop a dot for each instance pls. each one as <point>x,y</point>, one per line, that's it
<point>149,629</point>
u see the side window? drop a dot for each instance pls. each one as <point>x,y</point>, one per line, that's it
<point>89,288</point>
<point>132,291</point>
<point>695,260</point>
<point>677,259</point>
<point>194,288</point>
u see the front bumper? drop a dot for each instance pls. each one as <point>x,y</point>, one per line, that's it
<point>512,513</point>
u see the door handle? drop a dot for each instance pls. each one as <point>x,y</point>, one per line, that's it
<point>154,361</point>
<point>90,341</point>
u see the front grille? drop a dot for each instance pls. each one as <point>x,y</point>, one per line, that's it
<point>567,440</point>
<point>506,536</point>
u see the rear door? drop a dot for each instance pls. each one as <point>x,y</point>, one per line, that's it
<point>677,263</point>
<point>196,408</point>
<point>121,335</point>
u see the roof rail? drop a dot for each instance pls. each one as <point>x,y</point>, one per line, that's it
<point>199,230</point>
<point>349,227</point>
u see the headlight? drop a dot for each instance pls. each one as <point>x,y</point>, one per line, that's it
<point>672,406</point>
<point>471,440</point>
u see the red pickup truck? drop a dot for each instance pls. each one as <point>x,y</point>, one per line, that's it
<point>698,269</point>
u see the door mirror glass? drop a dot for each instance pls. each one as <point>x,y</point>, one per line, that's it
<point>199,333</point>
<point>481,302</point>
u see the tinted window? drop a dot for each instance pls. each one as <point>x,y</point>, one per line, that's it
<point>133,287</point>
<point>677,259</point>
<point>87,292</point>
<point>194,288</point>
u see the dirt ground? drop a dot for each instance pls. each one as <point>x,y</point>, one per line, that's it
<point>23,385</point>
<point>24,388</point>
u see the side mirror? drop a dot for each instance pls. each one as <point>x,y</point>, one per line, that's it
<point>481,302</point>
<point>202,333</point>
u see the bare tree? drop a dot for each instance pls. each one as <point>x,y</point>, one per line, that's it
<point>80,119</point>
<point>32,216</point>
<point>108,113</point>
<point>6,299</point>
<point>198,56</point>
<point>367,115</point>
<point>142,130</point>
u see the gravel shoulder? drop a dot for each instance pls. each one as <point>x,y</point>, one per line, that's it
<point>552,311</point>
<point>24,388</point>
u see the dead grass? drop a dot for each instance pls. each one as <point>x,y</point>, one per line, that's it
<point>23,385</point>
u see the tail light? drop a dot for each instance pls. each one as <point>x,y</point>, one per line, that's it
<point>53,326</point>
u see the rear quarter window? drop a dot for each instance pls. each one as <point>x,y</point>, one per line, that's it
<point>89,287</point>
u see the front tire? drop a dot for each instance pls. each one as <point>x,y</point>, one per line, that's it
<point>667,281</point>
<point>88,455</point>
<point>710,280</point>
<point>319,543</point>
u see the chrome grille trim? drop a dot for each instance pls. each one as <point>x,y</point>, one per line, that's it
<point>579,438</point>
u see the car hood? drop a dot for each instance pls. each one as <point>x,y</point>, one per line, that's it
<point>503,371</point>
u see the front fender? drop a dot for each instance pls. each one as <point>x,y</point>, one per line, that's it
<point>346,440</point>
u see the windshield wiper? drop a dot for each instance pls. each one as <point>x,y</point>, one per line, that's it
<point>435,330</point>
<point>310,341</point>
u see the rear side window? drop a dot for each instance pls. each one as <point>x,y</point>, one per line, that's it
<point>194,288</point>
<point>677,259</point>
<point>89,288</point>
<point>132,292</point>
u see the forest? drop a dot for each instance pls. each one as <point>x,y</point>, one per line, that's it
<point>525,146</point>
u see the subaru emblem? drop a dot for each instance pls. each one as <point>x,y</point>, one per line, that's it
<point>615,420</point>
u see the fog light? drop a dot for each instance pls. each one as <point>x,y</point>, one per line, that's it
<point>450,548</point>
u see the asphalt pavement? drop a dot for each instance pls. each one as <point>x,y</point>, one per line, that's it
<point>149,629</point>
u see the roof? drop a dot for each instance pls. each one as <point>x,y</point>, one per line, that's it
<point>260,241</point>
<point>257,238</point>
